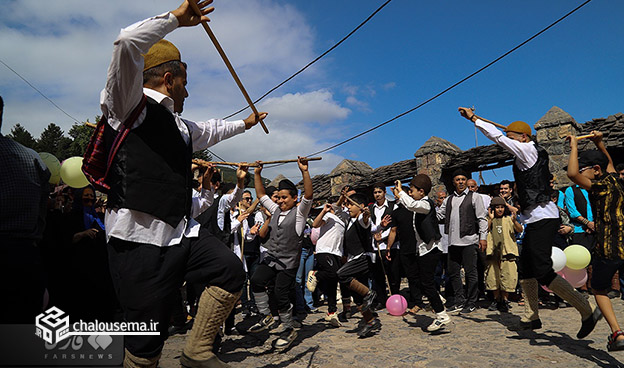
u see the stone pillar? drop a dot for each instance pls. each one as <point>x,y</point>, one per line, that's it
<point>551,130</point>
<point>348,172</point>
<point>431,158</point>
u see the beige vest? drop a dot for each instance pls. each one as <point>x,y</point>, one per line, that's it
<point>502,237</point>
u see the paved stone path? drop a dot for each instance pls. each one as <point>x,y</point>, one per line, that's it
<point>481,339</point>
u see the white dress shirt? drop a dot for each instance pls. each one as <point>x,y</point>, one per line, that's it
<point>376,227</point>
<point>123,91</point>
<point>303,209</point>
<point>331,233</point>
<point>526,157</point>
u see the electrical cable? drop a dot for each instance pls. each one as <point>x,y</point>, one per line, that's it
<point>313,61</point>
<point>41,93</point>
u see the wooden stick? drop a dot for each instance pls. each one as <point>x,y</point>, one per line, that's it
<point>354,202</point>
<point>213,38</point>
<point>489,121</point>
<point>585,136</point>
<point>240,212</point>
<point>250,164</point>
<point>90,125</point>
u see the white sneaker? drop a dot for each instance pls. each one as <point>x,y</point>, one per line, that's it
<point>312,281</point>
<point>439,323</point>
<point>333,320</point>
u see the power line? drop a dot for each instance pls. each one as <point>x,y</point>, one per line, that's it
<point>313,61</point>
<point>41,93</point>
<point>452,86</point>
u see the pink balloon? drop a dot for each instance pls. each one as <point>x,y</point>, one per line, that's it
<point>576,278</point>
<point>396,305</point>
<point>314,235</point>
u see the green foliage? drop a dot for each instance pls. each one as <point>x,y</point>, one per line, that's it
<point>81,135</point>
<point>54,141</point>
<point>22,136</point>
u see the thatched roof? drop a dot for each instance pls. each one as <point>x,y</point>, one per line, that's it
<point>388,174</point>
<point>321,185</point>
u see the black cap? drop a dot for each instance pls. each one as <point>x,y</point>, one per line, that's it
<point>592,158</point>
<point>286,184</point>
<point>461,172</point>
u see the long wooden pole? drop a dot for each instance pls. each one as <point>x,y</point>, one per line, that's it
<point>489,121</point>
<point>213,38</point>
<point>250,164</point>
<point>585,136</point>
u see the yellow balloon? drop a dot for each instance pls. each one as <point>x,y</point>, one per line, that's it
<point>577,257</point>
<point>53,165</point>
<point>71,173</point>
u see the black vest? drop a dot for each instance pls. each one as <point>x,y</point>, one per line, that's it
<point>580,202</point>
<point>427,224</point>
<point>151,172</point>
<point>467,218</point>
<point>357,240</point>
<point>534,183</point>
<point>387,211</point>
<point>208,220</point>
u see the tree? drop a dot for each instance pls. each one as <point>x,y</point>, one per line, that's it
<point>22,136</point>
<point>81,134</point>
<point>53,140</point>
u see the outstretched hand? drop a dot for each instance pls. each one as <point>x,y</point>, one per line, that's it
<point>187,16</point>
<point>466,112</point>
<point>303,163</point>
<point>253,119</point>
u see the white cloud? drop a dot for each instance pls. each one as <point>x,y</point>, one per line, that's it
<point>315,106</point>
<point>351,100</point>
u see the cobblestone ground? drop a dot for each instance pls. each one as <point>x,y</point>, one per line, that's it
<point>480,339</point>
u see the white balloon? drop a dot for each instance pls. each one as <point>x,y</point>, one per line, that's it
<point>558,258</point>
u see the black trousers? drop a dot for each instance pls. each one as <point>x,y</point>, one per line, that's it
<point>427,264</point>
<point>147,279</point>
<point>535,261</point>
<point>465,256</point>
<point>354,269</point>
<point>327,265</point>
<point>277,283</point>
<point>410,263</point>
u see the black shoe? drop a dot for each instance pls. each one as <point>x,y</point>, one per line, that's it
<point>344,316</point>
<point>503,306</point>
<point>368,300</point>
<point>589,323</point>
<point>533,325</point>
<point>493,306</point>
<point>180,330</point>
<point>370,328</point>
<point>468,309</point>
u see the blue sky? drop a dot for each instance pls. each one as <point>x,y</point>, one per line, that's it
<point>407,53</point>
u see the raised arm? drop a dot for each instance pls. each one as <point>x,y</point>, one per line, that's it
<point>597,139</point>
<point>308,191</point>
<point>573,168</point>
<point>318,221</point>
<point>260,191</point>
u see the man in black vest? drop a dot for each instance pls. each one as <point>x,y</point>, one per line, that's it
<point>466,225</point>
<point>541,215</point>
<point>153,241</point>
